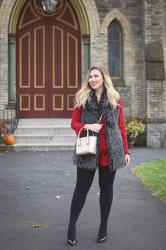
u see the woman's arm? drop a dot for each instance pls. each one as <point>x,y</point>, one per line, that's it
<point>76,123</point>
<point>122,127</point>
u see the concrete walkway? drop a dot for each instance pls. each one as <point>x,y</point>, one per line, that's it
<point>37,187</point>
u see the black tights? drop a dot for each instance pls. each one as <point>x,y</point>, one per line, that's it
<point>83,184</point>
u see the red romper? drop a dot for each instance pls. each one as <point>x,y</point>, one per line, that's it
<point>103,153</point>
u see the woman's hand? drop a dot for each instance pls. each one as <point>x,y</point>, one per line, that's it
<point>127,159</point>
<point>95,127</point>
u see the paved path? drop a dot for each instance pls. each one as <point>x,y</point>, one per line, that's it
<point>36,188</point>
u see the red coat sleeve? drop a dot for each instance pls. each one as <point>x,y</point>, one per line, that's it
<point>122,127</point>
<point>76,123</point>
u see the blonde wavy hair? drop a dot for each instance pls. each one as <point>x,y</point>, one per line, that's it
<point>83,94</point>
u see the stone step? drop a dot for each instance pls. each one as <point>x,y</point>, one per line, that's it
<point>44,130</point>
<point>45,122</point>
<point>44,139</point>
<point>43,135</point>
<point>38,147</point>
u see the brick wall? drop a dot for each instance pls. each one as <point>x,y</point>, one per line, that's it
<point>129,15</point>
<point>155,20</point>
<point>146,99</point>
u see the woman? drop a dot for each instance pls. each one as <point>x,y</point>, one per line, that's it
<point>97,101</point>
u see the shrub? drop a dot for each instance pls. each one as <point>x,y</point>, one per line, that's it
<point>134,127</point>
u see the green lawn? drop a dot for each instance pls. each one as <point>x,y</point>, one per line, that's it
<point>153,175</point>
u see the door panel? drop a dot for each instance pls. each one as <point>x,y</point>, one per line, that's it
<point>39,57</point>
<point>48,62</point>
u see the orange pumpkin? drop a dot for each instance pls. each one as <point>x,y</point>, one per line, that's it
<point>10,140</point>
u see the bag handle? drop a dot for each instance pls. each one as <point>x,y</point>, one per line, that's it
<point>100,119</point>
<point>81,130</point>
<point>87,136</point>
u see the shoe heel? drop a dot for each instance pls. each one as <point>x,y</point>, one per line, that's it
<point>71,236</point>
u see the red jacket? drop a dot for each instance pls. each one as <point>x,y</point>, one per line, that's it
<point>103,153</point>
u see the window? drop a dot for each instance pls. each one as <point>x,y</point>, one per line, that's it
<point>115,50</point>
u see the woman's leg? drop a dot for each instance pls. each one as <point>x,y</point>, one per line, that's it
<point>106,180</point>
<point>83,184</point>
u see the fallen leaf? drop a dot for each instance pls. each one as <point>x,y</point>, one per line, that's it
<point>36,225</point>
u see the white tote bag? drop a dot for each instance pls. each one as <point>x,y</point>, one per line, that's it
<point>87,144</point>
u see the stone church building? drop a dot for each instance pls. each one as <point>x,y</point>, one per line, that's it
<point>46,50</point>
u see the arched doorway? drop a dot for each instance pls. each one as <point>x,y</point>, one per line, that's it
<point>48,60</point>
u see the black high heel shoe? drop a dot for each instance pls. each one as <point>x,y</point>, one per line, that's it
<point>71,236</point>
<point>102,234</point>
<point>101,239</point>
<point>71,242</point>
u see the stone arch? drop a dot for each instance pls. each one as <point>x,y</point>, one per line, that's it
<point>87,12</point>
<point>79,7</point>
<point>123,21</point>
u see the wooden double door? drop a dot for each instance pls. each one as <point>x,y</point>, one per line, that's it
<point>48,61</point>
